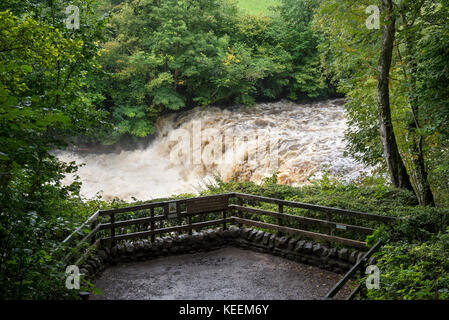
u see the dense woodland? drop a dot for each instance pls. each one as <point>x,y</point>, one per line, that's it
<point>131,61</point>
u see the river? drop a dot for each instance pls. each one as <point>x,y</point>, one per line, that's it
<point>299,141</point>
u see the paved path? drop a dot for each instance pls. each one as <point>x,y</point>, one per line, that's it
<point>224,274</point>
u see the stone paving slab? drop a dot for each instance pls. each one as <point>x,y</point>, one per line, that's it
<point>225,274</point>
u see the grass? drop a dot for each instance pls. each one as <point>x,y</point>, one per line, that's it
<point>256,6</point>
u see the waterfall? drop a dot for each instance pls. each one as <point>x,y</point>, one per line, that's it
<point>299,141</point>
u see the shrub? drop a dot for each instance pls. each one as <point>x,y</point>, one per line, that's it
<point>413,271</point>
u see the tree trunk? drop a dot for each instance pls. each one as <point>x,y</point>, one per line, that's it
<point>425,195</point>
<point>396,167</point>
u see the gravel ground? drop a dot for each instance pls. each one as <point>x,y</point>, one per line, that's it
<point>225,274</point>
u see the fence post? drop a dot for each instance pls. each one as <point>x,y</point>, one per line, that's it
<point>152,224</point>
<point>223,215</point>
<point>224,212</point>
<point>329,229</point>
<point>112,220</point>
<point>161,222</point>
<point>189,222</point>
<point>239,212</point>
<point>362,268</point>
<point>93,225</point>
<point>280,210</point>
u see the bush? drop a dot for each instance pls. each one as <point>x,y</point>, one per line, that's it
<point>413,271</point>
<point>180,54</point>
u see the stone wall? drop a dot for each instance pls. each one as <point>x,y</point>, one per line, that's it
<point>336,260</point>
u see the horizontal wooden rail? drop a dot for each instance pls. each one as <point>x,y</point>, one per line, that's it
<point>308,234</point>
<point>89,250</point>
<point>310,221</point>
<point>359,265</point>
<point>145,234</point>
<point>220,203</point>
<point>90,220</point>
<point>301,205</point>
<point>294,204</point>
<point>133,208</point>
<point>183,214</point>
<point>105,226</point>
<point>161,204</point>
<point>89,236</point>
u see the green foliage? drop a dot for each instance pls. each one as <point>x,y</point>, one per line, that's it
<point>414,271</point>
<point>162,56</point>
<point>376,199</point>
<point>433,93</point>
<point>414,262</point>
<point>417,226</point>
<point>259,7</point>
<point>43,102</point>
<point>418,75</point>
<point>176,54</point>
<point>350,52</point>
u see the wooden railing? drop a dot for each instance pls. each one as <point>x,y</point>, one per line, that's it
<point>185,210</point>
<point>359,266</point>
<point>327,223</point>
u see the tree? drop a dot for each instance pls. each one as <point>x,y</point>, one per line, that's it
<point>403,124</point>
<point>168,55</point>
<point>42,104</point>
<point>429,54</point>
<point>398,172</point>
<point>409,16</point>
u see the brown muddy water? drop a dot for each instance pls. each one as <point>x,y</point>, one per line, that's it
<point>300,141</point>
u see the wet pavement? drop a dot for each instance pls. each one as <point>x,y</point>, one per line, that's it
<point>225,274</point>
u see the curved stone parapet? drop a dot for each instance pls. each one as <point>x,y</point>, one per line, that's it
<point>302,251</point>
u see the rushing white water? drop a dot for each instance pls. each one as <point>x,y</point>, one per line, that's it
<point>245,143</point>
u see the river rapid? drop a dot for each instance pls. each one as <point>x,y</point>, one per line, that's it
<point>299,141</point>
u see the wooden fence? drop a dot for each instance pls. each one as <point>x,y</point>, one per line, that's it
<point>358,267</point>
<point>232,209</point>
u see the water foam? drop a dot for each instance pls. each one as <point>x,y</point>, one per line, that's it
<point>243,143</point>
